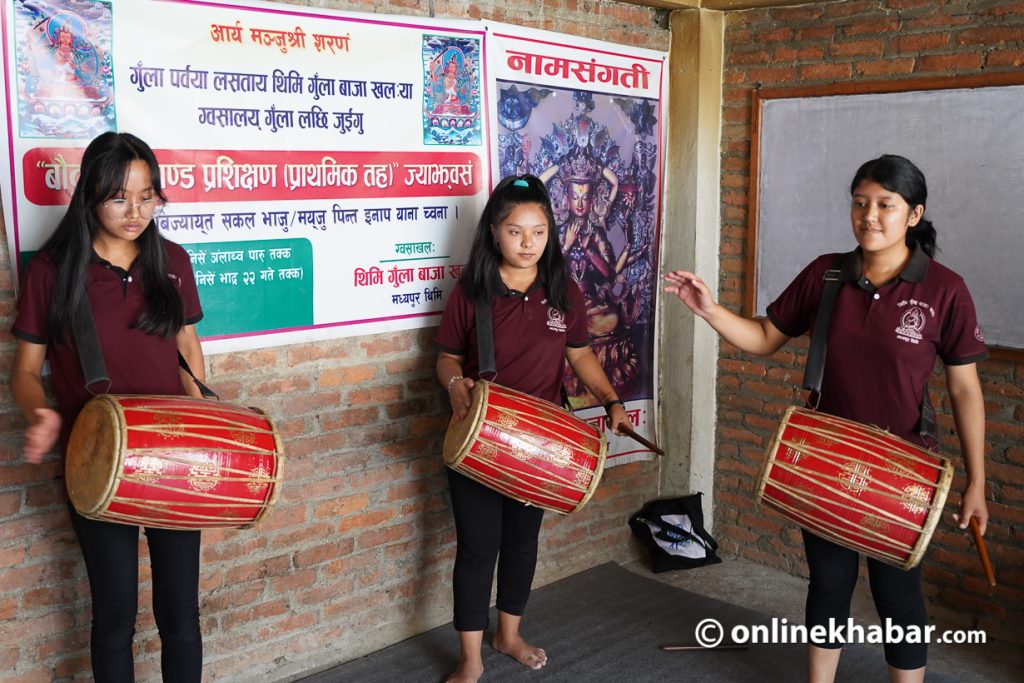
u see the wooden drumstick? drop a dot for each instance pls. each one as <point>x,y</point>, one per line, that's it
<point>639,439</point>
<point>979,541</point>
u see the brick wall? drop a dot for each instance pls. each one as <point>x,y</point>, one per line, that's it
<point>839,42</point>
<point>358,552</point>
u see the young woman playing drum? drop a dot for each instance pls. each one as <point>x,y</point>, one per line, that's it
<point>539,323</point>
<point>896,310</point>
<point>107,255</point>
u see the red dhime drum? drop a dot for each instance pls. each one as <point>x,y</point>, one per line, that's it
<point>526,448</point>
<point>858,486</point>
<point>173,462</point>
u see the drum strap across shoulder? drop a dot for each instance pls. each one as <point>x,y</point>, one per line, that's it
<point>90,355</point>
<point>485,338</point>
<point>815,368</point>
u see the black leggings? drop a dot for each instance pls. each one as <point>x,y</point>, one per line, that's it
<point>491,528</point>
<point>111,554</point>
<point>897,595</point>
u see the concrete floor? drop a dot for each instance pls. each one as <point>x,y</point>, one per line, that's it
<point>774,593</point>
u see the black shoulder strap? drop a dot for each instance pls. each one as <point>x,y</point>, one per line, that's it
<point>206,391</point>
<point>815,368</point>
<point>90,355</point>
<point>485,338</point>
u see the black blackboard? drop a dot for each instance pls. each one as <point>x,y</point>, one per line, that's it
<point>966,135</point>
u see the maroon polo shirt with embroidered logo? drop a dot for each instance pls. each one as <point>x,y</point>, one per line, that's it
<point>882,343</point>
<point>530,337</point>
<point>137,363</point>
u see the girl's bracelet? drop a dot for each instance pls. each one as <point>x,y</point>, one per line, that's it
<point>609,404</point>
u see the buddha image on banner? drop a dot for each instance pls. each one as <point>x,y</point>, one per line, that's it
<point>451,91</point>
<point>64,75</point>
<point>597,154</point>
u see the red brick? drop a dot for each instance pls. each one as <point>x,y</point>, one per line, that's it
<point>377,477</point>
<point>429,424</point>
<point>241,362</point>
<point>989,36</point>
<point>381,345</point>
<point>949,64</point>
<point>312,445</point>
<point>750,368</point>
<point>297,405</point>
<point>849,8</point>
<point>349,418</point>
<point>376,395</point>
<point>889,67</point>
<point>886,26</point>
<point>775,35</point>
<point>23,473</point>
<point>244,618</point>
<point>937,20</point>
<point>10,503</point>
<point>919,42</point>
<point>383,536</point>
<point>400,409</point>
<point>358,374</point>
<point>370,519</point>
<point>812,33</point>
<point>27,629</point>
<point>258,570</point>
<point>342,506</point>
<point>909,4</point>
<point>772,75</point>
<point>797,14</point>
<point>45,495</point>
<point>857,48</point>
<point>753,57</point>
<point>371,436</point>
<point>292,582</point>
<point>787,53</point>
<point>310,353</point>
<point>819,72</point>
<point>405,366</point>
<point>281,385</point>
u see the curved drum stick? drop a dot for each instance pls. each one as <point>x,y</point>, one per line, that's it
<point>979,541</point>
<point>641,440</point>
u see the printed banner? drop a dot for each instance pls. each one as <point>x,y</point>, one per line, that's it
<point>587,118</point>
<point>324,170</point>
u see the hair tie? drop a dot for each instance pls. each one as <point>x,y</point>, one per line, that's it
<point>519,182</point>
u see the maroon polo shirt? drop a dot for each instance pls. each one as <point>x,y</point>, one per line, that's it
<point>882,343</point>
<point>137,363</point>
<point>530,337</point>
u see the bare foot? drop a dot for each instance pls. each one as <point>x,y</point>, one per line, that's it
<point>520,650</point>
<point>467,672</point>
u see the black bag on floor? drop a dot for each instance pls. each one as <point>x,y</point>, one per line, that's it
<point>673,530</point>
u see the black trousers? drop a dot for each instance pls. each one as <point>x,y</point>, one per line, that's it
<point>491,528</point>
<point>897,595</point>
<point>111,554</point>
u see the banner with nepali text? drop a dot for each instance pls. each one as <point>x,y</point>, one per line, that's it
<point>324,170</point>
<point>587,117</point>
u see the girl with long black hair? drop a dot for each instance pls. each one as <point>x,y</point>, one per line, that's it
<point>107,254</point>
<point>539,323</point>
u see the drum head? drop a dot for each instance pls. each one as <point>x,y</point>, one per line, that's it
<point>462,433</point>
<point>93,454</point>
